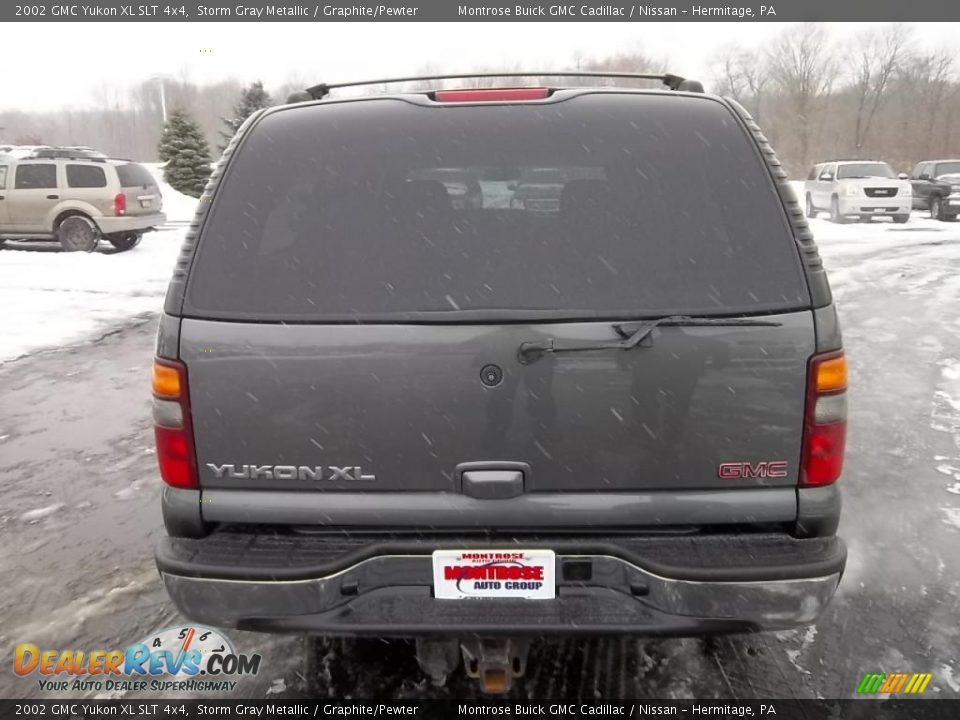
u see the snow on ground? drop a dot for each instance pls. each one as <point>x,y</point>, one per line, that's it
<point>53,299</point>
<point>918,258</point>
<point>885,275</point>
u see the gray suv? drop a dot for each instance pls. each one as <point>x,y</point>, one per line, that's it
<point>383,413</point>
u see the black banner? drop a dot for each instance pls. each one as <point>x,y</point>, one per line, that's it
<point>449,709</point>
<point>485,10</point>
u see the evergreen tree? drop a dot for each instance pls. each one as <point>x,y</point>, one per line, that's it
<point>186,154</point>
<point>252,99</point>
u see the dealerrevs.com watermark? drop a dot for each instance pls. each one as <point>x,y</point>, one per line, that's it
<point>178,659</point>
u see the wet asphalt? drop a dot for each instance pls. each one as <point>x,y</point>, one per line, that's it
<point>79,516</point>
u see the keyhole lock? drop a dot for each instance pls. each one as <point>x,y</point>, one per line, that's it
<point>491,375</point>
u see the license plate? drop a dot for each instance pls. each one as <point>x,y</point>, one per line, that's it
<point>146,203</point>
<point>526,574</point>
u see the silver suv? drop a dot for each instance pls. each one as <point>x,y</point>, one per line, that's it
<point>862,189</point>
<point>76,197</point>
<point>382,412</point>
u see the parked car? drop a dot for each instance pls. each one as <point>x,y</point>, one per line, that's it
<point>862,189</point>
<point>77,198</point>
<point>936,187</point>
<point>381,415</point>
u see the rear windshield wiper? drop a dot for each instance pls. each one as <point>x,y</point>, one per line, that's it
<point>631,336</point>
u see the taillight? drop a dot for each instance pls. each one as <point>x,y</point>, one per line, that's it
<point>119,204</point>
<point>825,422</point>
<point>491,94</point>
<point>173,428</point>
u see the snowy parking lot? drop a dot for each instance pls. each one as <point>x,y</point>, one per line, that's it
<point>80,488</point>
<point>65,298</point>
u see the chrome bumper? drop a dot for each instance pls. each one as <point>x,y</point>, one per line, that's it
<point>392,595</point>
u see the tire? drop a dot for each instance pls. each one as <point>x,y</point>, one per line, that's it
<point>811,210</point>
<point>835,215</point>
<point>125,242</point>
<point>936,207</point>
<point>901,218</point>
<point>77,233</point>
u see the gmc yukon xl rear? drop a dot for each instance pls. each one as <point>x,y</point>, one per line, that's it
<point>381,412</point>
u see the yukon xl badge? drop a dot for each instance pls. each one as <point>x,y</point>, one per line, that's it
<point>331,473</point>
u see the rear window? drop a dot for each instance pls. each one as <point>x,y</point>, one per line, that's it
<point>133,175</point>
<point>602,205</point>
<point>86,176</point>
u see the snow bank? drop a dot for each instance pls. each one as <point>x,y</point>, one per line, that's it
<point>178,207</point>
<point>53,299</point>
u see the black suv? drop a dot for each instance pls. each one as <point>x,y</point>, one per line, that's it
<point>383,411</point>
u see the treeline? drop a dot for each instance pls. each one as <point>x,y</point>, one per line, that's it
<point>882,94</point>
<point>129,123</point>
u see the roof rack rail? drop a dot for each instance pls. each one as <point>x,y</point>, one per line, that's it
<point>54,152</point>
<point>67,152</point>
<point>674,82</point>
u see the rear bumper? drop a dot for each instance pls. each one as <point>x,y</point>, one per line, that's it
<point>610,585</point>
<point>129,223</point>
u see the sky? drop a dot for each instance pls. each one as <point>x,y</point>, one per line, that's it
<point>68,70</point>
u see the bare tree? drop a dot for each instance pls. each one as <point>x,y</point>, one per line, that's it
<point>926,85</point>
<point>629,62</point>
<point>728,76</point>
<point>894,101</point>
<point>803,68</point>
<point>951,116</point>
<point>876,57</point>
<point>743,75</point>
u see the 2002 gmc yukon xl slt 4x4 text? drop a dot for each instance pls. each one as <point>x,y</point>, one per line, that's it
<point>381,413</point>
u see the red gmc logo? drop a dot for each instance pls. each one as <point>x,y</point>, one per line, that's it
<point>734,471</point>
